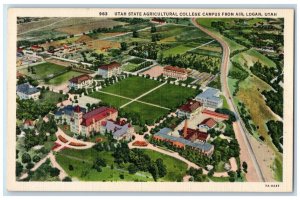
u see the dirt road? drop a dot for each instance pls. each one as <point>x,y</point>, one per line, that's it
<point>240,131</point>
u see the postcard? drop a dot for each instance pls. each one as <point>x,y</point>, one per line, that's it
<point>143,99</point>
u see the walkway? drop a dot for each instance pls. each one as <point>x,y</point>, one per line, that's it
<point>143,95</point>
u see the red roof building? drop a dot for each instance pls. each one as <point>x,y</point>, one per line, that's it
<point>190,108</point>
<point>81,81</point>
<point>208,123</point>
<point>215,114</point>
<point>109,70</point>
<point>97,115</point>
<point>175,72</point>
<point>194,134</point>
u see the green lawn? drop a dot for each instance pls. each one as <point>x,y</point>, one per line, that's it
<point>146,112</point>
<point>278,169</point>
<point>50,97</point>
<point>181,49</point>
<point>45,69</point>
<point>132,87</point>
<point>225,104</point>
<point>176,169</point>
<point>170,96</point>
<point>111,100</point>
<point>82,162</point>
<point>129,67</point>
<point>64,77</point>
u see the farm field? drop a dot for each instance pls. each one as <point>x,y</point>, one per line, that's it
<point>132,87</point>
<point>170,96</point>
<point>251,56</point>
<point>64,77</point>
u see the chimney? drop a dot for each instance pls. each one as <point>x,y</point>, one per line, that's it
<point>185,129</point>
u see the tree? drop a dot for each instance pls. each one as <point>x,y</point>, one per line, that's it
<point>162,170</point>
<point>132,169</point>
<point>71,168</point>
<point>36,158</point>
<point>51,48</point>
<point>54,172</point>
<point>135,34</point>
<point>67,179</point>
<point>245,166</point>
<point>29,165</point>
<point>19,168</point>
<point>153,29</point>
<point>26,158</point>
<point>123,46</point>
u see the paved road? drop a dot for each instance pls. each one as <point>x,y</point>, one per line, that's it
<point>227,94</point>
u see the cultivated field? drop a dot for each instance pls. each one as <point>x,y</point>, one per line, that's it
<point>44,70</point>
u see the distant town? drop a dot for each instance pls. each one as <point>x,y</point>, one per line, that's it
<point>149,99</point>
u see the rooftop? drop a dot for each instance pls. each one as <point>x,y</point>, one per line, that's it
<point>177,69</point>
<point>194,134</point>
<point>190,106</point>
<point>110,66</point>
<point>26,88</point>
<point>209,122</point>
<point>201,146</point>
<point>80,79</point>
<point>97,115</point>
<point>69,110</point>
<point>210,94</point>
<point>116,128</point>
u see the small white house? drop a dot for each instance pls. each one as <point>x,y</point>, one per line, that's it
<point>81,81</point>
<point>27,91</point>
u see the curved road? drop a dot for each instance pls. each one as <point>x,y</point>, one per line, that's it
<point>227,94</point>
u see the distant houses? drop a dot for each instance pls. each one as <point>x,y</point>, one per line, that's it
<point>175,72</point>
<point>27,91</point>
<point>109,70</point>
<point>210,98</point>
<point>80,82</point>
<point>190,109</point>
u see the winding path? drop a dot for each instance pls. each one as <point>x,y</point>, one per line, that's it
<point>254,173</point>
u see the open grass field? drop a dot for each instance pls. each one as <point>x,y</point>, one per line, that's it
<point>102,45</point>
<point>170,96</point>
<point>251,56</point>
<point>82,162</point>
<point>64,77</point>
<point>176,169</point>
<point>146,112</point>
<point>132,87</point>
<point>50,97</point>
<point>45,69</point>
<point>129,67</point>
<point>111,100</point>
<point>181,49</point>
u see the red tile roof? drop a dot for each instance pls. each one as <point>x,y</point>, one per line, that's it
<point>80,79</point>
<point>176,69</point>
<point>193,134</point>
<point>97,115</point>
<point>215,114</point>
<point>209,122</point>
<point>29,122</point>
<point>190,106</point>
<point>110,66</point>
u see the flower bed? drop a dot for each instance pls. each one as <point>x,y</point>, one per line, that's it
<point>99,140</point>
<point>76,144</point>
<point>61,138</point>
<point>56,145</point>
<point>140,143</point>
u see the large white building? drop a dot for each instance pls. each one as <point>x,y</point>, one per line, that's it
<point>109,70</point>
<point>175,72</point>
<point>27,91</point>
<point>210,98</point>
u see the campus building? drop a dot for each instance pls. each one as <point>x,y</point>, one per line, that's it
<point>87,123</point>
<point>66,113</point>
<point>27,91</point>
<point>109,70</point>
<point>119,129</point>
<point>210,98</point>
<point>207,124</point>
<point>180,142</point>
<point>175,72</point>
<point>81,81</point>
<point>190,109</point>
